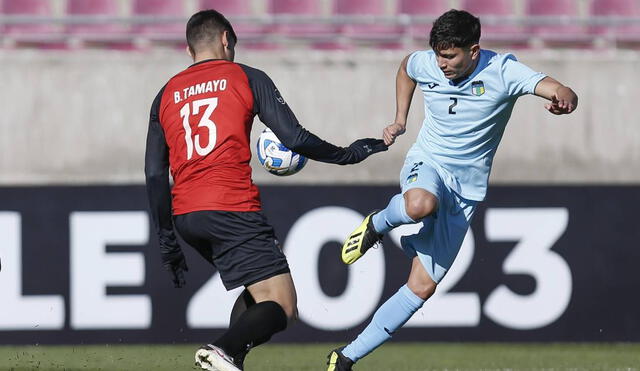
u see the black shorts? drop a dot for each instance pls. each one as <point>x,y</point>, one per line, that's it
<point>241,245</point>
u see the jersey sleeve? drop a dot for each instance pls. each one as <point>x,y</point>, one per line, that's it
<point>519,79</point>
<point>412,66</point>
<point>275,113</point>
<point>156,170</point>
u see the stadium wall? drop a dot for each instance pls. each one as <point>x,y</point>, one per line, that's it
<point>81,117</point>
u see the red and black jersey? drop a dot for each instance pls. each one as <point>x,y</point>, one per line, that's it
<point>199,128</point>
<point>206,113</point>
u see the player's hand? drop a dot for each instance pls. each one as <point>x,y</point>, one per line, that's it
<point>391,132</point>
<point>363,148</point>
<point>174,262</point>
<point>563,102</point>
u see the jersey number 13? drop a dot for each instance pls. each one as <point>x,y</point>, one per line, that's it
<point>205,120</point>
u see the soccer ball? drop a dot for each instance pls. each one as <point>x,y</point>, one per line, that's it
<point>275,157</point>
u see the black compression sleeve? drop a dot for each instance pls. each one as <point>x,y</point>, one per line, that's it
<point>275,113</point>
<point>156,170</point>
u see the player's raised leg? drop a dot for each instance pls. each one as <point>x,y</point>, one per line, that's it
<point>394,313</point>
<point>410,208</point>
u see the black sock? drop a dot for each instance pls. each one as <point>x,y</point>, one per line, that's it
<point>243,302</point>
<point>256,325</point>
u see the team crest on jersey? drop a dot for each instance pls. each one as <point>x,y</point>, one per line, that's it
<point>477,88</point>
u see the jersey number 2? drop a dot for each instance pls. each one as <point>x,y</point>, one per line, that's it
<point>205,120</point>
<point>452,106</point>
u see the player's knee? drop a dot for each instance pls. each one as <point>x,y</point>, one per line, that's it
<point>420,206</point>
<point>289,306</point>
<point>422,289</point>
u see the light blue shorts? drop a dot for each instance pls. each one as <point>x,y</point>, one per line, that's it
<point>439,240</point>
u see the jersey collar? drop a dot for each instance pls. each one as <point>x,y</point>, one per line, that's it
<point>206,61</point>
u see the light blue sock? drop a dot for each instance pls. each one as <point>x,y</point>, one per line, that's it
<point>394,215</point>
<point>387,319</point>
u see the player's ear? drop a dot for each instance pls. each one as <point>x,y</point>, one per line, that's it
<point>191,53</point>
<point>475,51</point>
<point>225,39</point>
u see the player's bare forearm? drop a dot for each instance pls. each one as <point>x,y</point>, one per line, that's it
<point>404,93</point>
<point>563,99</point>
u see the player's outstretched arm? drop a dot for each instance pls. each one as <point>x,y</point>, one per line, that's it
<point>274,112</point>
<point>405,87</point>
<point>563,99</point>
<point>156,170</point>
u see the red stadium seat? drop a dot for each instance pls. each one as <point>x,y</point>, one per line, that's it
<point>305,7</point>
<point>35,26</point>
<point>494,17</point>
<point>368,29</point>
<point>612,14</point>
<point>622,8</point>
<point>96,31</point>
<point>239,13</point>
<point>312,30</point>
<point>422,13</point>
<point>355,7</point>
<point>92,7</point>
<point>228,7</point>
<point>431,8</point>
<point>555,21</point>
<point>160,19</point>
<point>29,8</point>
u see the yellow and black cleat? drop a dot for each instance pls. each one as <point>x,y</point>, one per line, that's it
<point>338,362</point>
<point>360,240</point>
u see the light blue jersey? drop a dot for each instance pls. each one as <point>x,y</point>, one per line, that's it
<point>464,122</point>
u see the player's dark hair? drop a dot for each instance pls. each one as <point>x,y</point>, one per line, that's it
<point>455,29</point>
<point>205,25</point>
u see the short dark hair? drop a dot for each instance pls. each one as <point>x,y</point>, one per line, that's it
<point>204,25</point>
<point>455,29</point>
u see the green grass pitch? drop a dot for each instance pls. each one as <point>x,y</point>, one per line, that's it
<point>391,357</point>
